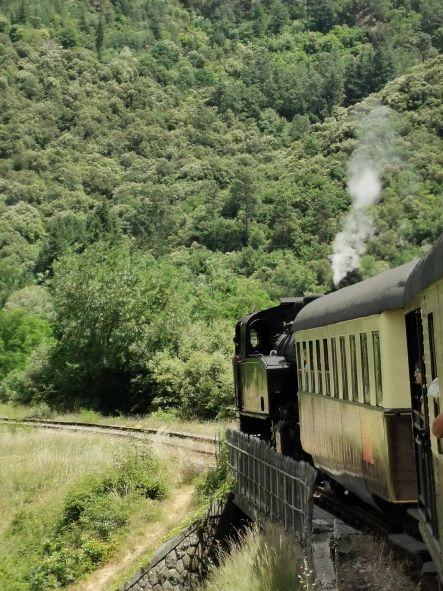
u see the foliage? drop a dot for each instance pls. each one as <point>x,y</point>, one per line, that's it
<point>130,330</point>
<point>217,482</point>
<point>91,514</point>
<point>20,334</point>
<point>35,299</point>
<point>208,143</point>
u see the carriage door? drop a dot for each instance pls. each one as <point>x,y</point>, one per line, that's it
<point>420,419</point>
<point>237,366</point>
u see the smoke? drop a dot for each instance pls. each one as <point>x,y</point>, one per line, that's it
<point>375,151</point>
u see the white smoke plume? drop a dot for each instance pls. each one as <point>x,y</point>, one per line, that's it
<point>375,151</point>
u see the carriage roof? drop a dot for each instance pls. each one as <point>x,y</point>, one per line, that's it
<point>428,270</point>
<point>385,291</point>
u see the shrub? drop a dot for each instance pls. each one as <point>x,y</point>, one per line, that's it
<point>92,518</point>
<point>20,334</point>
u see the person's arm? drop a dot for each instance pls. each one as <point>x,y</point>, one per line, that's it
<point>437,426</point>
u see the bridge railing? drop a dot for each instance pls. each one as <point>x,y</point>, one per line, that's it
<point>270,485</point>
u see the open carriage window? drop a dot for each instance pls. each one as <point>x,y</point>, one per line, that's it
<point>434,374</point>
<point>432,346</point>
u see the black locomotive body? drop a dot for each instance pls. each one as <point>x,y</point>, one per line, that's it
<point>265,375</point>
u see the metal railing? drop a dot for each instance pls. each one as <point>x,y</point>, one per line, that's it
<point>277,487</point>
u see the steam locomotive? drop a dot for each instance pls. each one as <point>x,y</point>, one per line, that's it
<point>344,381</point>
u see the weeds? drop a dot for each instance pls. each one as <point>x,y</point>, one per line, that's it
<point>368,565</point>
<point>260,561</point>
<point>216,483</point>
<point>67,514</point>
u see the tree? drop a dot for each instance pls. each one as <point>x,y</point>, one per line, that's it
<point>99,37</point>
<point>244,193</point>
<point>20,334</point>
<point>280,16</point>
<point>322,15</point>
<point>113,309</point>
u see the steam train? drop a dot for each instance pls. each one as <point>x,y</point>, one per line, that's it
<point>344,381</point>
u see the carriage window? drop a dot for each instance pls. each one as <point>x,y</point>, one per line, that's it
<point>434,373</point>
<point>299,365</point>
<point>310,368</point>
<point>365,367</point>
<point>327,375</point>
<point>319,367</point>
<point>432,346</point>
<point>334,367</point>
<point>377,368</point>
<point>354,378</point>
<point>304,362</point>
<point>344,368</point>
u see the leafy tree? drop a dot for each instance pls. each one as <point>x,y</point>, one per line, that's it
<point>35,299</point>
<point>99,37</point>
<point>20,334</point>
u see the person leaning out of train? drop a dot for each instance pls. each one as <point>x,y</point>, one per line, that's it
<point>437,425</point>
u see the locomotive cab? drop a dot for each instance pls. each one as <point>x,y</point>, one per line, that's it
<point>265,375</point>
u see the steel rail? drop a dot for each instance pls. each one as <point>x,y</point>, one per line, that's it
<point>119,431</point>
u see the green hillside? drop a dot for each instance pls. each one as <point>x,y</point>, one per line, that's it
<point>167,167</point>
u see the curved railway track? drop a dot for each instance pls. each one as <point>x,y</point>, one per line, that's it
<point>200,444</point>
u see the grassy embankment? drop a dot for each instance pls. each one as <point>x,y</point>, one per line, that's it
<point>84,511</point>
<point>159,420</point>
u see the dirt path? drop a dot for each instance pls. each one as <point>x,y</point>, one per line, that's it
<point>174,510</point>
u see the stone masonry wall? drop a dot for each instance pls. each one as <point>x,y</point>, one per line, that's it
<point>182,561</point>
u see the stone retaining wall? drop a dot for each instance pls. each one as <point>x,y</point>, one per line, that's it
<point>183,560</point>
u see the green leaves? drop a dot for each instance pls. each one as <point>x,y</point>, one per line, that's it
<point>20,334</point>
<point>91,520</point>
<point>130,329</point>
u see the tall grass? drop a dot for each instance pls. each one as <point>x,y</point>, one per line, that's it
<point>67,501</point>
<point>37,467</point>
<point>261,561</point>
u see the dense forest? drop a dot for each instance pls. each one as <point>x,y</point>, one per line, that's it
<point>166,167</point>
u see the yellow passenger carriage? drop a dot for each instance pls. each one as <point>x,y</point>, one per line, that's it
<point>354,394</point>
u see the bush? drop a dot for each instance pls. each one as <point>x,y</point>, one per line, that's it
<point>216,483</point>
<point>92,518</point>
<point>20,334</point>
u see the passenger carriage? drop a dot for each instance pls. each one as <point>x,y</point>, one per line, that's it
<point>354,392</point>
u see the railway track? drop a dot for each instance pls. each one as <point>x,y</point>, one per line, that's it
<point>200,444</point>
<point>399,533</point>
<point>354,512</point>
